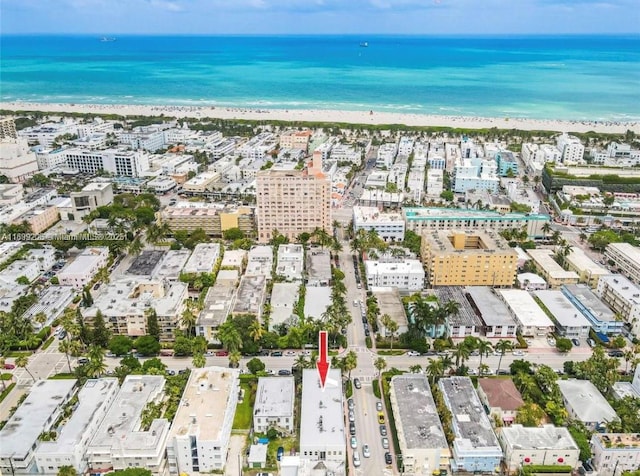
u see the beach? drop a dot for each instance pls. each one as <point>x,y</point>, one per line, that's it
<point>371,117</point>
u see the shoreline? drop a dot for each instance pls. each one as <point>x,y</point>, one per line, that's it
<point>336,116</point>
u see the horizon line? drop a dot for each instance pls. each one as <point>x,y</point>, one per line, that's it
<point>312,35</point>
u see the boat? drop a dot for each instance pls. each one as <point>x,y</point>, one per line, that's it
<point>106,39</point>
<point>364,44</point>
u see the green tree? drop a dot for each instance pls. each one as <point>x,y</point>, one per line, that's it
<point>23,362</point>
<point>67,471</point>
<point>120,345</point>
<point>154,366</point>
<point>69,347</point>
<point>233,234</point>
<point>229,336</point>
<point>199,360</point>
<point>182,345</point>
<point>435,368</point>
<point>99,333</point>
<point>153,329</point>
<point>132,472</point>
<point>350,362</point>
<point>188,320</point>
<point>563,345</point>
<point>447,195</point>
<point>256,365</point>
<point>503,346</point>
<point>530,414</point>
<point>234,359</point>
<point>147,345</point>
<point>96,365</point>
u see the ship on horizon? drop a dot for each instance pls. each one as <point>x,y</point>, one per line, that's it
<point>106,39</point>
<point>364,44</point>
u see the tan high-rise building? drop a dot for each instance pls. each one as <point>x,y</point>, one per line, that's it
<point>471,258</point>
<point>292,201</point>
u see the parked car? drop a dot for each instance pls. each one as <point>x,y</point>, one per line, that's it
<point>280,453</point>
<point>383,430</point>
<point>387,458</point>
<point>413,353</point>
<point>9,366</point>
<point>379,406</point>
<point>354,442</point>
<point>381,418</point>
<point>616,353</point>
<point>352,428</point>
<point>385,443</point>
<point>290,353</point>
<point>351,404</point>
<point>83,360</point>
<point>575,342</point>
<point>352,415</point>
<point>356,383</point>
<point>518,353</point>
<point>276,353</point>
<point>356,459</point>
<point>504,372</point>
<point>222,353</point>
<point>366,452</point>
<point>367,332</point>
<point>591,342</point>
<point>284,372</point>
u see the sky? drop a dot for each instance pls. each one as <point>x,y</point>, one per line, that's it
<point>436,17</point>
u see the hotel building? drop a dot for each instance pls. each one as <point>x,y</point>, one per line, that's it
<point>623,297</point>
<point>389,226</point>
<point>119,162</point>
<point>213,218</point>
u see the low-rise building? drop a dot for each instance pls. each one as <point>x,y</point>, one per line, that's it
<point>501,399</point>
<point>283,301</point>
<point>389,226</point>
<point>406,275</point>
<point>615,453</point>
<point>465,322</point>
<point>250,296</point>
<point>569,321</point>
<point>201,183</point>
<point>531,282</point>
<point>435,182</point>
<point>390,303</point>
<point>72,439</point>
<point>475,448</point>
<point>217,305</point>
<point>39,218</point>
<point>260,261</point>
<point>531,319</point>
<point>471,258</point>
<point>290,262</point>
<point>545,446</point>
<point>551,271</point>
<point>201,429</point>
<point>212,218</point>
<point>20,435</point>
<point>274,405</point>
<point>626,258</point>
<point>318,267</point>
<point>601,318</point>
<point>623,296</point>
<point>317,300</point>
<point>52,302</point>
<point>203,259</point>
<point>171,265</point>
<point>628,389</point>
<point>121,441</point>
<point>234,259</point>
<point>496,318</point>
<point>18,269</point>
<point>84,267</point>
<point>589,271</point>
<point>585,403</point>
<point>422,442</point>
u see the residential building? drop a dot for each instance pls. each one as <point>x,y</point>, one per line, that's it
<point>201,430</point>
<point>570,148</point>
<point>73,436</point>
<point>407,275</point>
<point>119,162</point>
<point>585,403</point>
<point>260,261</point>
<point>213,218</point>
<point>84,267</point>
<point>420,220</point>
<point>463,323</point>
<point>290,262</point>
<point>317,300</point>
<point>27,268</point>
<point>322,432</point>
<point>500,398</point>
<point>11,193</point>
<point>496,319</point>
<point>150,139</point>
<point>626,258</point>
<point>615,453</point>
<point>390,303</point>
<point>386,155</point>
<point>389,226</point>
<point>318,272</point>
<point>551,271</point>
<point>274,405</point>
<point>570,322</point>
<point>295,139</point>
<point>92,196</point>
<point>589,271</point>
<point>476,174</point>
<point>531,282</point>
<point>39,218</point>
<point>234,259</point>
<point>435,182</point>
<point>171,265</point>
<point>422,442</point>
<point>292,201</point>
<point>217,305</point>
<point>623,297</point>
<point>507,164</point>
<point>250,296</point>
<point>121,442</point>
<point>475,448</point>
<point>601,318</point>
<point>531,319</point>
<point>283,300</point>
<point>628,389</point>
<point>203,259</point>
<point>380,198</point>
<point>547,445</point>
<point>52,302</point>
<point>468,258</point>
<point>19,437</point>
<point>161,184</point>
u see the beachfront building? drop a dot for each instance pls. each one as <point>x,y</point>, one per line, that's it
<point>422,442</point>
<point>547,445</point>
<point>463,323</point>
<point>570,148</point>
<point>274,405</point>
<point>294,139</point>
<point>290,262</point>
<point>201,429</point>
<point>20,435</point>
<point>570,322</point>
<point>203,259</point>
<point>121,442</point>
<point>119,162</point>
<point>531,319</point>
<point>84,267</point>
<point>322,432</point>
<point>623,297</point>
<point>46,134</point>
<point>424,219</point>
<point>292,201</point>
<point>213,218</point>
<point>467,258</point>
<point>500,398</point>
<point>589,271</point>
<point>73,436</point>
<point>601,318</point>
<point>585,403</point>
<point>626,258</point>
<point>614,454</point>
<point>475,448</point>
<point>407,275</point>
<point>388,225</point>
<point>554,274</point>
<point>496,319</point>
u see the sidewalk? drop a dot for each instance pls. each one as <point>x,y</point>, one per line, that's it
<point>11,401</point>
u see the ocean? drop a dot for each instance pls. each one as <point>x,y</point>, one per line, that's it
<point>559,77</point>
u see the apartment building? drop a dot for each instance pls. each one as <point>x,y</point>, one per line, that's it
<point>200,433</point>
<point>386,155</point>
<point>406,275</point>
<point>555,275</point>
<point>530,318</point>
<point>569,321</point>
<point>292,201</point>
<point>615,453</point>
<point>496,319</point>
<point>589,271</point>
<point>295,140</point>
<point>623,297</point>
<point>601,318</point>
<point>570,148</point>
<point>290,262</point>
<point>203,259</point>
<point>585,403</point>
<point>213,218</point>
<point>501,398</point>
<point>388,225</point>
<point>435,182</point>
<point>217,305</point>
<point>274,405</point>
<point>18,160</point>
<point>84,267</point>
<point>468,258</point>
<point>318,272</point>
<point>507,164</point>
<point>46,134</point>
<point>465,322</point>
<point>626,258</point>
<point>39,218</point>
<point>119,162</point>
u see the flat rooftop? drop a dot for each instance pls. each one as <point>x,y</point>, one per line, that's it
<point>565,313</point>
<point>628,290</point>
<point>428,213</point>
<point>466,315</point>
<point>590,301</point>
<point>628,440</point>
<point>542,438</point>
<point>274,397</point>
<point>250,296</point>
<point>233,258</point>
<point>283,299</point>
<point>172,264</point>
<point>491,309</point>
<point>204,403</point>
<point>317,300</point>
<point>363,215</point>
<point>470,423</point>
<point>145,263</point>
<point>260,261</point>
<point>544,259</point>
<point>501,393</point>
<point>579,259</point>
<point>389,302</point>
<point>525,308</point>
<point>33,416</point>
<point>632,253</point>
<point>52,302</point>
<point>586,401</point>
<point>419,422</point>
<point>322,412</point>
<point>203,259</point>
<point>476,242</point>
<point>318,266</point>
<point>290,261</point>
<point>217,303</point>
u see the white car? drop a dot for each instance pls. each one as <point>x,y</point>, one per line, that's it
<point>290,353</point>
<point>354,442</point>
<point>413,353</point>
<point>518,353</point>
<point>365,451</point>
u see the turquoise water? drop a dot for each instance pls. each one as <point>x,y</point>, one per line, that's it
<point>582,77</point>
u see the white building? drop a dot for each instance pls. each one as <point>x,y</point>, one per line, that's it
<point>49,158</point>
<point>570,148</point>
<point>84,267</point>
<point>322,432</point>
<point>389,226</point>
<point>585,403</point>
<point>476,174</point>
<point>290,262</point>
<point>143,138</point>
<point>547,445</point>
<point>435,182</point>
<point>615,453</point>
<point>203,259</point>
<point>621,295</point>
<point>422,442</point>
<point>498,321</point>
<point>121,442</point>
<point>260,261</point>
<point>18,269</point>
<point>201,430</point>
<point>72,440</point>
<point>570,322</point>
<point>46,134</point>
<point>283,300</point>
<point>119,162</point>
<point>274,405</point>
<point>407,275</point>
<point>531,319</point>
<point>18,162</point>
<point>626,258</point>
<point>386,155</point>
<point>318,267</point>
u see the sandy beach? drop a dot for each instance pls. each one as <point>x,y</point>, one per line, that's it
<point>351,117</point>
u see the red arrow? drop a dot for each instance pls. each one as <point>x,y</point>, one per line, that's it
<point>323,364</point>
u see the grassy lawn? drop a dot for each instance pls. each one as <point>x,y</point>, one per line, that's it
<point>392,352</point>
<point>62,376</point>
<point>47,343</point>
<point>4,394</point>
<point>288,444</point>
<point>244,411</point>
<point>349,389</point>
<point>16,353</point>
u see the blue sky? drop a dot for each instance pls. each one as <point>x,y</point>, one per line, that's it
<point>320,16</point>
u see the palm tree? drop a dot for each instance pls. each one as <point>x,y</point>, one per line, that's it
<point>256,331</point>
<point>483,369</point>
<point>536,180</point>
<point>23,362</point>
<point>435,369</point>
<point>380,364</point>
<point>230,337</point>
<point>301,362</point>
<point>136,246</point>
<point>69,347</point>
<point>40,318</point>
<point>96,365</point>
<point>188,319</point>
<point>199,360</point>
<point>350,362</point>
<point>546,228</point>
<point>67,471</point>
<point>415,369</point>
<point>461,353</point>
<point>503,346</point>
<point>234,358</point>
<point>484,347</point>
